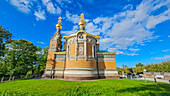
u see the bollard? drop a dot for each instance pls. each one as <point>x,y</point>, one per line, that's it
<point>13,78</point>
<point>131,77</point>
<point>2,79</point>
<point>145,79</point>
<point>155,81</point>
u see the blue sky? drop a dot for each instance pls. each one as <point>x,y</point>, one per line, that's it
<point>137,30</point>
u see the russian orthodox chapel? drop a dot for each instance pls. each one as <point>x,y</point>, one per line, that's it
<point>81,58</point>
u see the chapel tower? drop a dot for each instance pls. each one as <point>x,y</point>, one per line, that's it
<point>55,42</point>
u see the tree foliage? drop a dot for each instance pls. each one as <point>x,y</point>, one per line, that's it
<point>22,57</point>
<point>41,60</point>
<point>139,65</point>
<point>4,36</point>
<point>164,66</point>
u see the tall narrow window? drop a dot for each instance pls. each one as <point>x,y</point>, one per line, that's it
<point>68,51</point>
<point>94,51</point>
<point>81,49</point>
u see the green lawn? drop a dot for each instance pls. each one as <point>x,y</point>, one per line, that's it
<point>109,87</point>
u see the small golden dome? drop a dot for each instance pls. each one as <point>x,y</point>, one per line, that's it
<point>58,25</point>
<point>82,23</point>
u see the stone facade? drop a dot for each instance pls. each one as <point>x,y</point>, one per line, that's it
<point>81,58</point>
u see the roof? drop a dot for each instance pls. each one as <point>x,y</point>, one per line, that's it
<point>54,35</point>
<point>97,37</point>
<point>106,53</point>
<point>60,52</point>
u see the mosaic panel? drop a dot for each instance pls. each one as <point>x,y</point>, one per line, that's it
<point>105,56</point>
<point>60,56</point>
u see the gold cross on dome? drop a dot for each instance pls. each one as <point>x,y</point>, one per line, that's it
<point>82,16</point>
<point>59,19</point>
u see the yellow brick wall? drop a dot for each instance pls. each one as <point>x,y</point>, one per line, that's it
<point>89,49</point>
<point>50,60</point>
<point>60,64</point>
<point>72,49</point>
<point>81,63</point>
<point>106,65</point>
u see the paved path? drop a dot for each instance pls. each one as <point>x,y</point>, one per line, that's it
<point>152,79</point>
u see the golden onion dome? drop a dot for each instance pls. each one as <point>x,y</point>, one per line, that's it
<point>58,25</point>
<point>82,23</point>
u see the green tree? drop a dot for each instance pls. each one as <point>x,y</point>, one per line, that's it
<point>139,64</point>
<point>41,60</point>
<point>4,36</point>
<point>126,70</point>
<point>20,56</point>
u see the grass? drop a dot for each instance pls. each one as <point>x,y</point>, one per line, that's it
<point>106,87</point>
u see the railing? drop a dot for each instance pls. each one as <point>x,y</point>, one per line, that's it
<point>147,80</point>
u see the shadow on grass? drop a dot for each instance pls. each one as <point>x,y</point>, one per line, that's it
<point>8,93</point>
<point>148,90</point>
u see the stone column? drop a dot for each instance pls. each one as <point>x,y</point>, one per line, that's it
<point>76,47</point>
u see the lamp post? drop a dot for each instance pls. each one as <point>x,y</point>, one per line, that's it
<point>144,72</point>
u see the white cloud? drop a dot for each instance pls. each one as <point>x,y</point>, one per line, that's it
<point>112,49</point>
<point>165,50</point>
<point>75,28</point>
<point>40,42</point>
<point>22,5</point>
<point>74,18</point>
<point>128,7</point>
<point>132,26</point>
<point>169,36</point>
<point>120,52</point>
<point>58,10</point>
<point>63,1</point>
<point>50,7</point>
<point>154,20</point>
<point>116,50</point>
<point>45,2</point>
<point>132,49</point>
<point>123,53</point>
<point>161,40</point>
<point>92,29</point>
<point>164,57</point>
<point>40,15</point>
<point>27,5</point>
<point>127,28</point>
<point>132,54</point>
